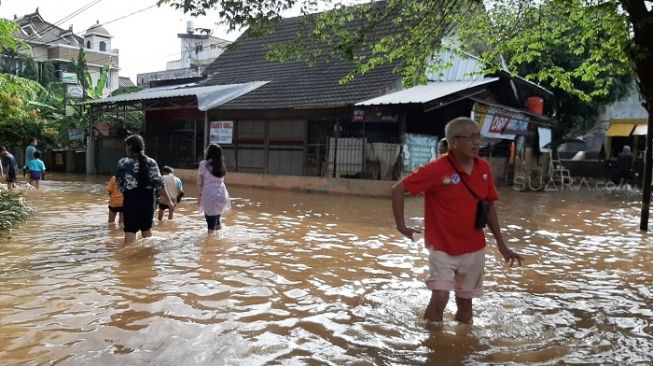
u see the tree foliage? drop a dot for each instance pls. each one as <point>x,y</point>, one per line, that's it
<point>7,39</point>
<point>565,44</point>
<point>575,50</point>
<point>29,109</point>
<point>29,70</point>
<point>48,74</point>
<point>18,121</point>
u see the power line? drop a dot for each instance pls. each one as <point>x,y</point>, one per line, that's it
<point>67,17</point>
<point>130,14</point>
<point>111,21</point>
<point>78,11</point>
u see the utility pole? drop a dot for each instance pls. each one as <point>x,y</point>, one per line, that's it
<point>648,166</point>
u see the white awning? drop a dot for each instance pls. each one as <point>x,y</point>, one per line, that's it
<point>641,129</point>
<point>425,93</point>
<point>208,97</point>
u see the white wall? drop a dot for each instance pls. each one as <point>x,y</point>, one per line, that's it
<point>629,108</point>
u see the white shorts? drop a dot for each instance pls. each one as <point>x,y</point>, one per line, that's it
<point>461,273</point>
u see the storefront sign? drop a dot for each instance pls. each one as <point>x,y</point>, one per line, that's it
<point>69,77</point>
<point>496,122</point>
<point>419,150</point>
<point>69,110</point>
<point>74,91</point>
<point>359,115</point>
<point>221,132</point>
<point>75,134</point>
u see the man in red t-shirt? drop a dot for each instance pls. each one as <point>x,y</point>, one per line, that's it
<point>452,186</point>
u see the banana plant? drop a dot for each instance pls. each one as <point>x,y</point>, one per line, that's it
<point>97,91</point>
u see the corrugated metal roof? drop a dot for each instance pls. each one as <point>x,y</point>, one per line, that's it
<point>208,97</point>
<point>425,93</point>
<point>463,67</point>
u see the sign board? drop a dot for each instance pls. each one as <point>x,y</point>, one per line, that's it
<point>496,122</point>
<point>419,150</point>
<point>75,134</point>
<point>375,114</point>
<point>74,91</point>
<point>359,115</point>
<point>221,132</point>
<point>70,110</point>
<point>69,78</point>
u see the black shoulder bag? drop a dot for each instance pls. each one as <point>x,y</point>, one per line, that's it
<point>482,206</point>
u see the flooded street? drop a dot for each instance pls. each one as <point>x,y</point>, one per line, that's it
<point>314,279</point>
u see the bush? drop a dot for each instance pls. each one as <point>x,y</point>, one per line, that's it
<point>13,208</point>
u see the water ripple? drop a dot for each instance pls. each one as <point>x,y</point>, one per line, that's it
<point>299,279</point>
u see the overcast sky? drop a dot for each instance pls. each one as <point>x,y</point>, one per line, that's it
<point>146,40</point>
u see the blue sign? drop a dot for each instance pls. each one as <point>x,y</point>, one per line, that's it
<point>75,134</point>
<point>419,150</point>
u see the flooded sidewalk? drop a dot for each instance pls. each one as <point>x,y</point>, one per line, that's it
<point>313,279</point>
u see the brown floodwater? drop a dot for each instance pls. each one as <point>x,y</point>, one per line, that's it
<point>314,279</point>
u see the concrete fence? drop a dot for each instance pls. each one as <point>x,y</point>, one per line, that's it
<point>363,187</point>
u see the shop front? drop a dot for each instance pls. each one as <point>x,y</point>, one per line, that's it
<point>626,132</point>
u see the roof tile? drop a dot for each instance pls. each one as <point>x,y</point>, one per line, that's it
<point>293,85</point>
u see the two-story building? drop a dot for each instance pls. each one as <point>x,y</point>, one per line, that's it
<point>50,43</point>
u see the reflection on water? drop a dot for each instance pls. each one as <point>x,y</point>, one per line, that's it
<point>314,279</point>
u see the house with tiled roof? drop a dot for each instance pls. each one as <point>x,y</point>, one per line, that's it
<point>50,43</point>
<point>291,118</point>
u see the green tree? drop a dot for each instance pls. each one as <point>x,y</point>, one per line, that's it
<point>18,121</point>
<point>13,207</point>
<point>29,70</point>
<point>48,74</point>
<point>7,38</point>
<point>11,47</point>
<point>51,102</point>
<point>80,68</point>
<point>563,48</point>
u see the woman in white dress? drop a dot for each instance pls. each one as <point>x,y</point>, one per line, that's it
<point>214,198</point>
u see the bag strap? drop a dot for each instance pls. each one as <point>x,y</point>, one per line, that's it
<point>462,179</point>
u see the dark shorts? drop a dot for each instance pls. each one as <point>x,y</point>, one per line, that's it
<point>35,175</point>
<point>115,209</point>
<point>11,176</point>
<point>138,209</point>
<point>163,207</point>
<point>212,222</point>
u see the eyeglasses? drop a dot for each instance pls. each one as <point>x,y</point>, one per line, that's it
<point>475,136</point>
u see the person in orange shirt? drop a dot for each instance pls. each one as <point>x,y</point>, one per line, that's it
<point>457,187</point>
<point>115,201</point>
